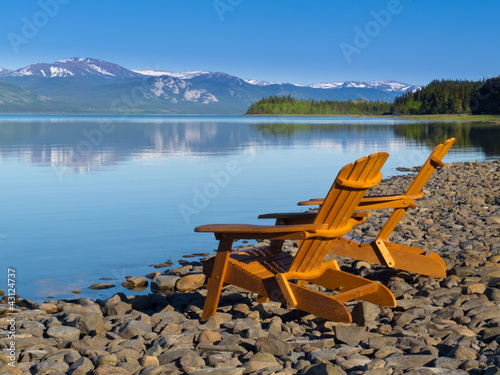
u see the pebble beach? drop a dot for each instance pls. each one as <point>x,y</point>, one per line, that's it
<point>445,325</point>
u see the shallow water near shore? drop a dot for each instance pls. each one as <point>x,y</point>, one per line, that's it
<point>85,197</point>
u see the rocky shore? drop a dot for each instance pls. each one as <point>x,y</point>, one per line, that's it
<point>440,326</point>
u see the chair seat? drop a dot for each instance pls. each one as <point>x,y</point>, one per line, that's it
<point>262,262</point>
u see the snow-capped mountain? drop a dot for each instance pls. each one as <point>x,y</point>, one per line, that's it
<point>75,67</point>
<point>77,84</point>
<point>5,72</point>
<point>183,75</point>
<point>387,86</point>
<point>261,83</point>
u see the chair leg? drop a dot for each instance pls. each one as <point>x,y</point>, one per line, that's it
<point>214,284</point>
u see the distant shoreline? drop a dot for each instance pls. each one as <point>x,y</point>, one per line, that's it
<point>494,119</point>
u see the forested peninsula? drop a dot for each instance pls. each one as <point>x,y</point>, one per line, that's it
<point>438,97</point>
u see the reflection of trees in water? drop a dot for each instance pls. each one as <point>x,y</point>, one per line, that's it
<point>288,130</point>
<point>468,135</point>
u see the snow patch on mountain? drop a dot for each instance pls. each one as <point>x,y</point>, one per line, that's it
<point>183,75</point>
<point>101,70</point>
<point>58,72</point>
<point>379,85</point>
<point>330,85</point>
<point>261,83</point>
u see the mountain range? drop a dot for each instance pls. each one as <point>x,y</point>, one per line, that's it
<point>85,85</point>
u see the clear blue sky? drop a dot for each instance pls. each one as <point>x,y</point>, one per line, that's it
<point>294,41</point>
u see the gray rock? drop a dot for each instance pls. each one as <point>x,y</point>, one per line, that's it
<point>379,342</point>
<point>119,308</point>
<point>364,312</point>
<point>190,282</point>
<point>134,328</point>
<point>447,363</point>
<point>261,361</point>
<point>349,334</point>
<point>100,286</point>
<point>405,362</point>
<point>210,348</point>
<point>275,347</point>
<point>63,333</point>
<point>355,363</point>
<point>81,366</point>
<point>89,324</point>
<point>49,367</point>
<point>405,318</point>
<point>105,359</point>
<point>135,282</point>
<point>219,371</point>
<point>463,353</point>
<point>164,282</point>
<point>173,354</point>
<point>322,356</point>
<point>492,371</point>
<point>493,294</point>
<point>322,369</point>
<point>192,362</point>
<point>491,334</point>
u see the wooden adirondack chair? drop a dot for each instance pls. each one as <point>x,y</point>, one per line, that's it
<point>269,271</point>
<point>381,250</point>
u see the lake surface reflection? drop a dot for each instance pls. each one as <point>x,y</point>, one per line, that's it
<point>85,197</point>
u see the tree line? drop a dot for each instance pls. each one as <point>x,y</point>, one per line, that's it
<point>438,97</point>
<point>288,105</point>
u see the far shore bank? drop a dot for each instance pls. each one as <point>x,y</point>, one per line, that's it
<point>494,119</point>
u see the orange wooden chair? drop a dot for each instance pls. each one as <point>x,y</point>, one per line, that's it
<point>269,271</point>
<point>381,250</point>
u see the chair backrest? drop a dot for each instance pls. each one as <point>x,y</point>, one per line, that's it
<point>433,161</point>
<point>344,196</point>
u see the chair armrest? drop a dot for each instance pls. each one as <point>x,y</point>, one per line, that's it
<point>288,215</point>
<point>275,232</point>
<point>261,229</point>
<point>376,202</point>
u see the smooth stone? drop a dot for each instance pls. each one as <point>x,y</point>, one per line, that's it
<point>382,342</point>
<point>81,366</point>
<point>173,354</point>
<point>463,353</point>
<point>110,370</point>
<point>190,282</point>
<point>322,356</point>
<point>149,360</point>
<point>322,369</point>
<point>50,308</point>
<point>405,362</point>
<point>90,324</point>
<point>192,362</point>
<point>134,282</point>
<point>63,333</point>
<point>209,336</point>
<point>493,294</point>
<point>275,347</point>
<point>164,282</point>
<point>364,312</point>
<point>350,334</point>
<point>354,363</point>
<point>219,371</point>
<point>46,368</point>
<point>134,328</point>
<point>105,359</point>
<point>100,286</point>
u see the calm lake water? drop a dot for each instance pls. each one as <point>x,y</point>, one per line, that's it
<point>90,197</point>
